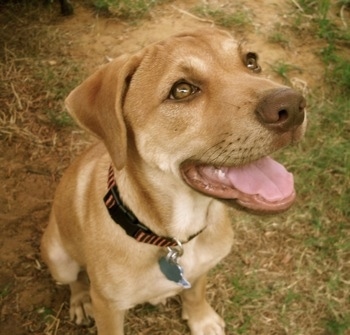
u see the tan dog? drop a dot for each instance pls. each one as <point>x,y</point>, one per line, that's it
<point>186,125</point>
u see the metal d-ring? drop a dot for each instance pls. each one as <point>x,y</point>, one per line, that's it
<point>175,252</point>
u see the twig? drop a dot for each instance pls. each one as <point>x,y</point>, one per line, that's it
<point>191,15</point>
<point>20,106</point>
<point>56,322</point>
<point>297,5</point>
<point>342,16</point>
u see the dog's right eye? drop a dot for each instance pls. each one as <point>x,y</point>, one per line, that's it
<point>182,90</point>
<point>251,62</point>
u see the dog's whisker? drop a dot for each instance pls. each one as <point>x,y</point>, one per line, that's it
<point>223,152</point>
<point>216,147</point>
<point>214,156</point>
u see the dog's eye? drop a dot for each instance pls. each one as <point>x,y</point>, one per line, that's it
<point>252,62</point>
<point>182,90</point>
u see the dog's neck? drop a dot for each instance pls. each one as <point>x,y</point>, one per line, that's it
<point>129,222</point>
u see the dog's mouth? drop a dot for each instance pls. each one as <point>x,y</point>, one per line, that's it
<point>263,185</point>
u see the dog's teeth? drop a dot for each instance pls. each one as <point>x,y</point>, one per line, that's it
<point>220,172</point>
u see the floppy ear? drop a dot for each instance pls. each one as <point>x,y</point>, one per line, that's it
<point>97,105</point>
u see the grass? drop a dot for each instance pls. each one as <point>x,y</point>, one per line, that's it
<point>55,90</point>
<point>323,184</point>
<point>296,270</point>
<point>127,9</point>
<point>34,66</point>
<point>284,70</point>
<point>278,36</point>
<point>5,291</point>
<point>337,70</point>
<point>287,274</point>
<point>225,17</point>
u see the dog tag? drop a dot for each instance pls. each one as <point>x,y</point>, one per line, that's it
<point>173,271</point>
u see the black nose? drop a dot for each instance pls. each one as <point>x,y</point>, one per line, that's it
<point>282,109</point>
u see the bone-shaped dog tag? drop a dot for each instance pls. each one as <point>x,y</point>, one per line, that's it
<point>173,271</point>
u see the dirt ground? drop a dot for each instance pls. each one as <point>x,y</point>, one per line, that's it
<point>32,165</point>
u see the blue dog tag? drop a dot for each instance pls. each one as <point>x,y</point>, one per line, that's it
<point>173,271</point>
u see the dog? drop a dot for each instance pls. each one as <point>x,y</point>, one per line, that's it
<point>185,129</point>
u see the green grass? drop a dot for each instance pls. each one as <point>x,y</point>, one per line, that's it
<point>5,291</point>
<point>326,163</point>
<point>58,79</point>
<point>279,38</point>
<point>338,326</point>
<point>329,134</point>
<point>284,70</point>
<point>337,69</point>
<point>337,63</point>
<point>315,299</point>
<point>127,9</point>
<point>279,35</point>
<point>35,79</point>
<point>225,17</point>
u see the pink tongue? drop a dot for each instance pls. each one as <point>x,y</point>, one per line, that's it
<point>264,177</point>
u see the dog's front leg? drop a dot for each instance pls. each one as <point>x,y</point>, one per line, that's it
<point>201,317</point>
<point>109,319</point>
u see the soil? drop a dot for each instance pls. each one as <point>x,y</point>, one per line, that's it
<point>30,302</point>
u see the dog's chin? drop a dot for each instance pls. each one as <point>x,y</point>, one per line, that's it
<point>262,186</point>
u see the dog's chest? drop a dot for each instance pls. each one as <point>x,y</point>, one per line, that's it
<point>139,276</point>
<point>154,287</point>
<point>140,279</point>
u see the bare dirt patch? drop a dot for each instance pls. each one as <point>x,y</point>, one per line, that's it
<point>35,151</point>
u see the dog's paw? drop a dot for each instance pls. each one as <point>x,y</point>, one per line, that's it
<point>81,309</point>
<point>207,322</point>
<point>208,327</point>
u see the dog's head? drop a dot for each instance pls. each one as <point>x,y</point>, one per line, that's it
<point>196,106</point>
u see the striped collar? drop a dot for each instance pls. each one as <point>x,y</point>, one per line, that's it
<point>122,216</point>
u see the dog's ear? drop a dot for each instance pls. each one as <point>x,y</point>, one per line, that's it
<point>97,104</point>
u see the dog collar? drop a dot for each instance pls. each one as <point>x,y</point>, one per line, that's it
<point>122,216</point>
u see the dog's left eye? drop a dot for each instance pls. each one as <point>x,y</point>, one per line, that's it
<point>251,62</point>
<point>182,90</point>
